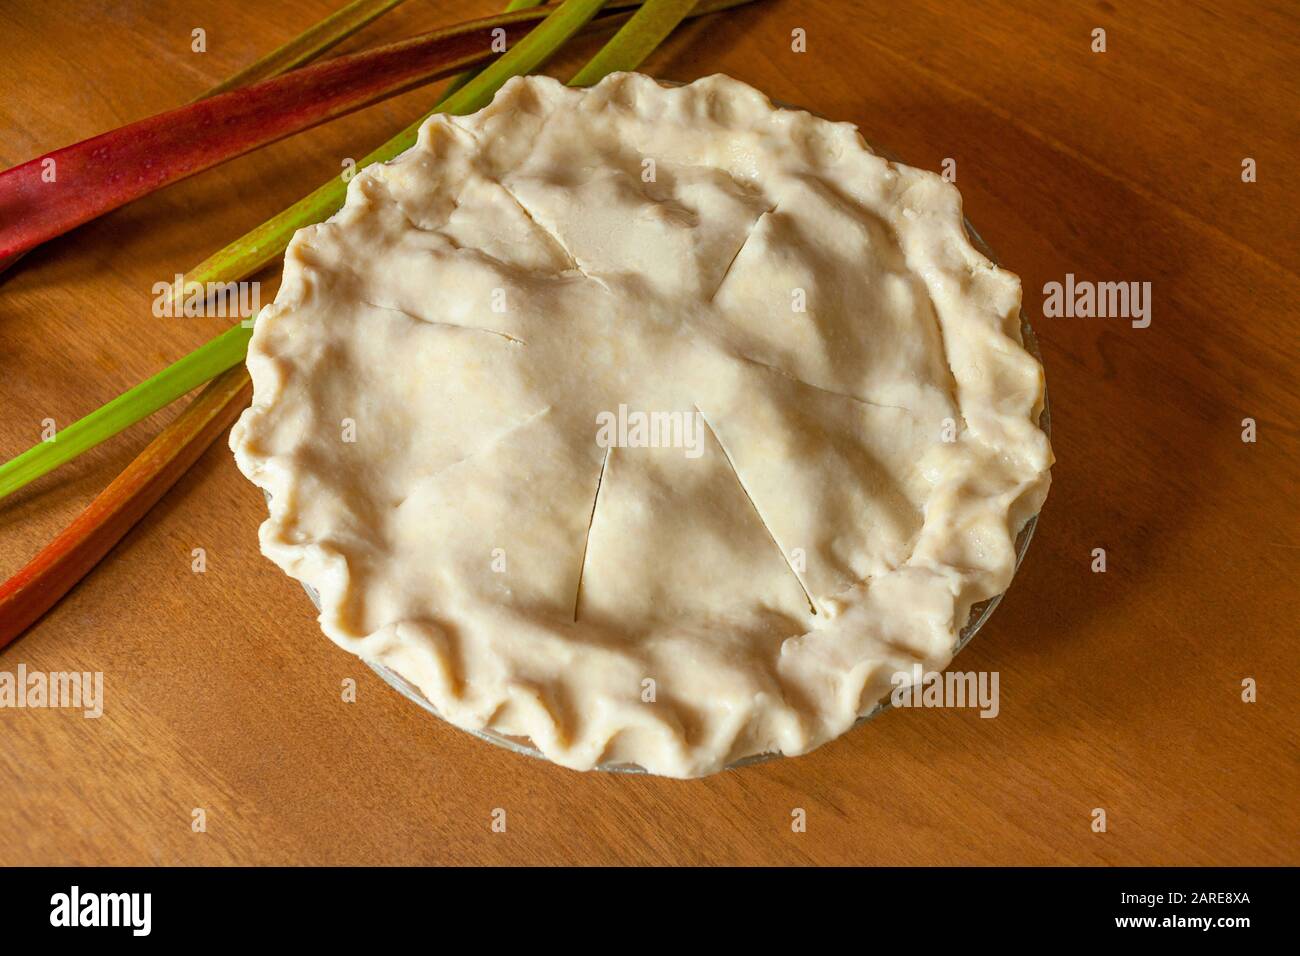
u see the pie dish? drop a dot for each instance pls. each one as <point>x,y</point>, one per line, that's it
<point>658,426</point>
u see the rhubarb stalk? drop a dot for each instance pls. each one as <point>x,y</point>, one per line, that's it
<point>637,39</point>
<point>51,194</point>
<point>304,48</point>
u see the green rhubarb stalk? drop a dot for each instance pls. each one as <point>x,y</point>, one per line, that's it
<point>635,41</point>
<point>529,53</point>
<point>468,75</point>
<point>205,362</point>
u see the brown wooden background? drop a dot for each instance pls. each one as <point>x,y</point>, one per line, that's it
<point>1119,690</point>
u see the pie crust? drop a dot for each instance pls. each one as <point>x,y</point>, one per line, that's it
<point>850,438</point>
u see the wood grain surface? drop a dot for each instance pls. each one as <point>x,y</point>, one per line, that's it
<point>1120,690</point>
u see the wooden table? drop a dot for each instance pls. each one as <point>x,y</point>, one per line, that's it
<point>1120,690</point>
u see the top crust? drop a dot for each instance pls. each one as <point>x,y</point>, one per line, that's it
<point>856,448</point>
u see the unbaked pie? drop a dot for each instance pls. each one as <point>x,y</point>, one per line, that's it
<point>657,425</point>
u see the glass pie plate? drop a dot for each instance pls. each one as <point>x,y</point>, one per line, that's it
<point>978,616</point>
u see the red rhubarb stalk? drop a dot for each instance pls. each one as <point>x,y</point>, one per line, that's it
<point>304,48</point>
<point>51,194</point>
